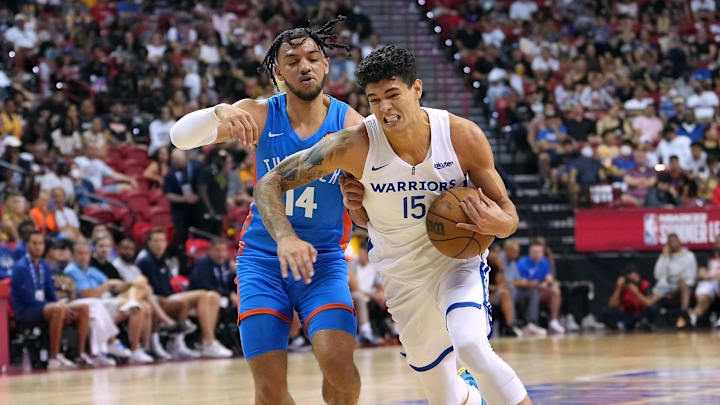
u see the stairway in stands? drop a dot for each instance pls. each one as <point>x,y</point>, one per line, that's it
<point>403,23</point>
<point>400,22</point>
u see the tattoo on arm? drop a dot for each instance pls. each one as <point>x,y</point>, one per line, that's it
<point>295,171</point>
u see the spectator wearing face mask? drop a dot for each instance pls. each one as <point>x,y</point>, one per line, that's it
<point>621,164</point>
<point>585,172</point>
<point>690,128</point>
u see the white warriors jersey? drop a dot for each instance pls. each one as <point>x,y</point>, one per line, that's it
<point>397,197</point>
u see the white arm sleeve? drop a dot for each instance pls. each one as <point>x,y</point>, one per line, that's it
<point>199,128</point>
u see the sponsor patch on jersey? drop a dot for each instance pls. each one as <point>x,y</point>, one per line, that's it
<point>442,165</point>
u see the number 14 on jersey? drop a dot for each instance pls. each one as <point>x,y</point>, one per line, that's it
<point>306,201</point>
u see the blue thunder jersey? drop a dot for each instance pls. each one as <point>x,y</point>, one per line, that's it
<point>316,211</point>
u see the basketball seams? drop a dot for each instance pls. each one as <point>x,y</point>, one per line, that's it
<point>469,233</point>
<point>453,238</point>
<point>440,216</point>
<point>449,240</point>
<point>450,191</point>
<point>470,239</point>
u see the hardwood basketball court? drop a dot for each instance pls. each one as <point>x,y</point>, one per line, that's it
<point>632,369</point>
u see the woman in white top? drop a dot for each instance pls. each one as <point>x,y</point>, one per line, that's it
<point>65,217</point>
<point>67,139</point>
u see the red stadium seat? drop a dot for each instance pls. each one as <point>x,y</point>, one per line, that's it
<point>140,231</point>
<point>134,171</point>
<point>138,154</point>
<point>139,205</point>
<point>155,195</point>
<point>161,220</point>
<point>158,210</point>
<point>501,106</point>
<point>197,247</point>
<point>102,213</point>
<point>238,214</point>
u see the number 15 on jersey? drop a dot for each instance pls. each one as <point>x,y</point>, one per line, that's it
<point>415,206</point>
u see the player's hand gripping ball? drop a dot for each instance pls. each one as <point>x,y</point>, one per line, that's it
<point>441,223</point>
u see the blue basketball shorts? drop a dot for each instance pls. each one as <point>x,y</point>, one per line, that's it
<point>267,301</point>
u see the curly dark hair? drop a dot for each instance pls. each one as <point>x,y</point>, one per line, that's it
<point>387,63</point>
<point>323,37</point>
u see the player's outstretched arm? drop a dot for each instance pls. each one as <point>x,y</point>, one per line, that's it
<point>491,211</point>
<point>241,122</point>
<point>341,150</point>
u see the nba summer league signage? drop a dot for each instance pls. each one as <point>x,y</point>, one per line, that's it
<point>644,229</point>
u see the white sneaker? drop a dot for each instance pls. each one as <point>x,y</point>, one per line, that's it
<point>589,322</point>
<point>157,348</point>
<point>297,342</point>
<point>215,350</point>
<point>365,335</point>
<point>717,324</point>
<point>86,361</point>
<point>556,328</point>
<point>140,357</point>
<point>181,352</point>
<point>533,330</point>
<point>60,363</point>
<point>104,361</point>
<point>190,327</point>
<point>570,324</point>
<point>118,350</point>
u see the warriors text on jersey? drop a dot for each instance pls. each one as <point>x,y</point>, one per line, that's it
<point>397,196</point>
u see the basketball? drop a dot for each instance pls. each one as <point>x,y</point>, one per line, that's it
<point>443,215</point>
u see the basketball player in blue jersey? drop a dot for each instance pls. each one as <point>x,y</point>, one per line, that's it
<point>279,127</point>
<point>404,156</point>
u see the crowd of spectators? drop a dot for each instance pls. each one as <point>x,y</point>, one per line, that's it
<point>88,93</point>
<point>589,86</point>
<point>528,300</point>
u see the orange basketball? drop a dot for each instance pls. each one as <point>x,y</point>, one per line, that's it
<point>443,215</point>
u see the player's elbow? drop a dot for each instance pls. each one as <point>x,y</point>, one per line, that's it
<point>179,138</point>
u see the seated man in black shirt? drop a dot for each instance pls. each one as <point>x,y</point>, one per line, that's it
<point>102,247</point>
<point>212,183</point>
<point>213,272</point>
<point>151,262</point>
<point>662,194</point>
<point>578,126</point>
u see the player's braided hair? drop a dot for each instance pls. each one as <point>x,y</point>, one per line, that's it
<point>387,63</point>
<point>323,37</point>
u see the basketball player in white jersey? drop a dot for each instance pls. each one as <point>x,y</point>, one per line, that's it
<point>404,156</point>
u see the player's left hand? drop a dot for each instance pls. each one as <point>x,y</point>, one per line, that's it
<point>352,191</point>
<point>487,217</point>
<point>297,254</point>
